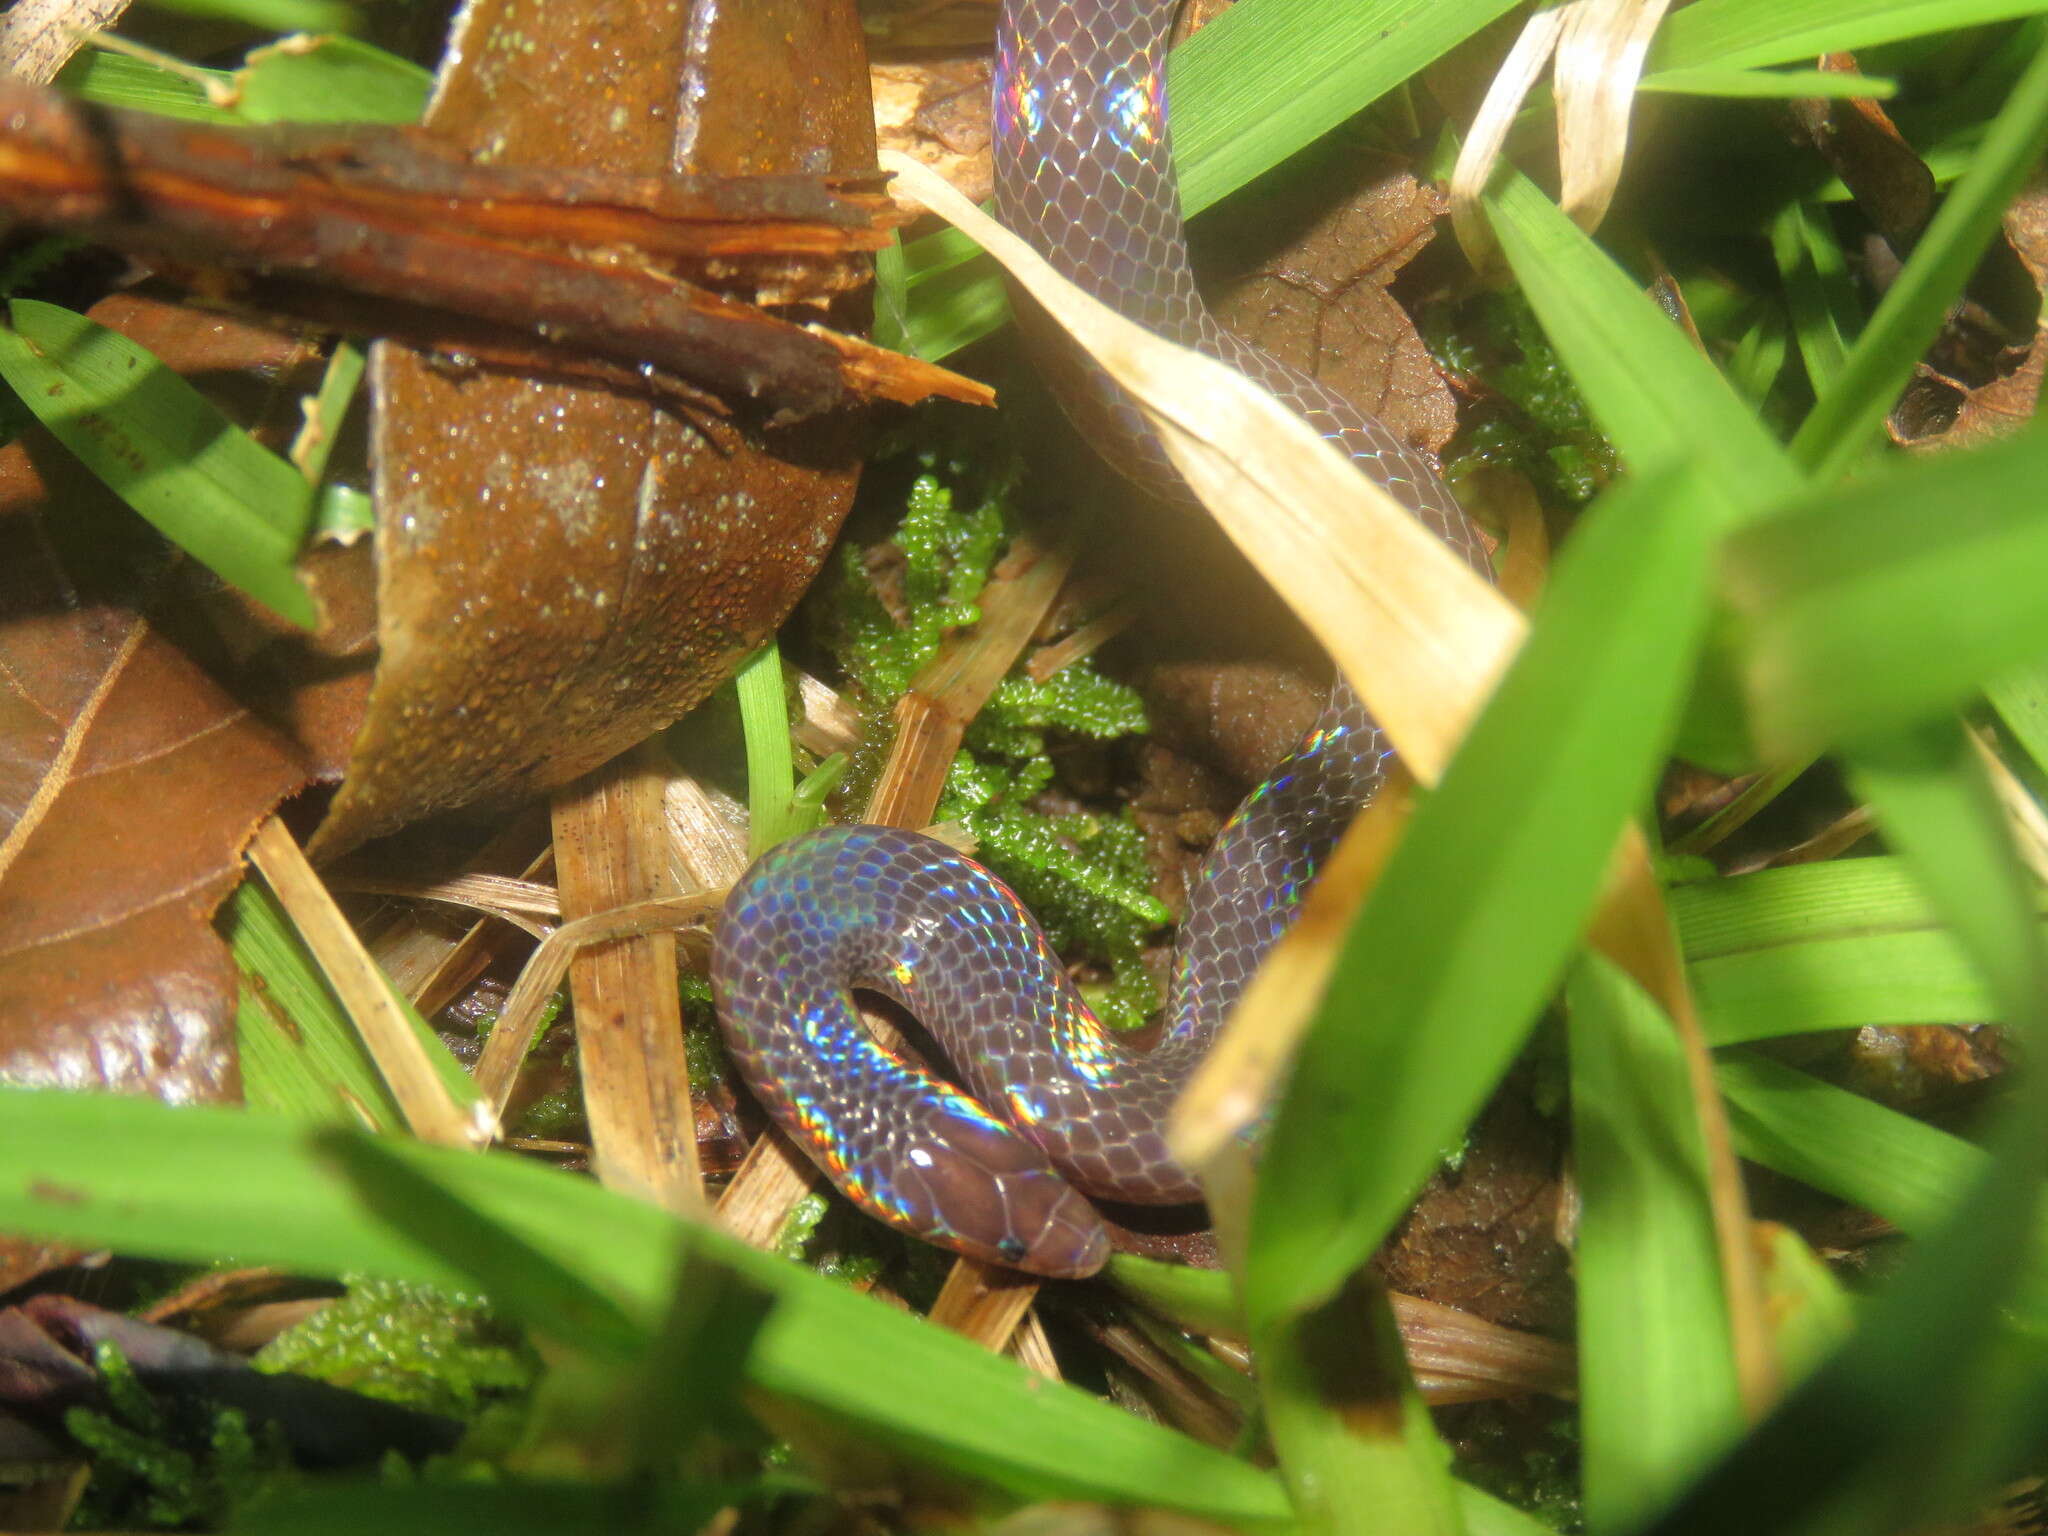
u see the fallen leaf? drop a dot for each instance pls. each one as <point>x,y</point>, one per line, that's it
<point>130,781</point>
<point>564,570</point>
<point>1314,289</point>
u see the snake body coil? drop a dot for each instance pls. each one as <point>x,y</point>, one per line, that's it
<point>1058,1107</point>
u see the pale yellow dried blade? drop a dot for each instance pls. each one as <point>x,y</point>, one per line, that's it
<point>1421,637</point>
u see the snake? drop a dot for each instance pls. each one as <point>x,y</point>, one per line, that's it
<point>1047,1110</point>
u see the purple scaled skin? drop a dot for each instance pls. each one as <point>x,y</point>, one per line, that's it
<point>1060,1108</point>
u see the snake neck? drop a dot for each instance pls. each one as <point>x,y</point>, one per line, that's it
<point>1084,164</point>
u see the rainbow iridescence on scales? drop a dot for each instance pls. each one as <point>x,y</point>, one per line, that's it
<point>1056,1107</point>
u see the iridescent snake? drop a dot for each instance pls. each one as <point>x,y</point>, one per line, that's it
<point>1059,1108</point>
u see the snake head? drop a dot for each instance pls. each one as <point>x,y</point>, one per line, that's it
<point>988,1193</point>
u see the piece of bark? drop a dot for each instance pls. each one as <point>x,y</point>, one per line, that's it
<point>564,570</point>
<point>660,276</point>
<point>130,781</point>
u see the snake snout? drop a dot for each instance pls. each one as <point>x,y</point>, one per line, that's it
<point>994,1196</point>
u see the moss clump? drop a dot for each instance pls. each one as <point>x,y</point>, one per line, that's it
<point>166,1466</point>
<point>1530,417</point>
<point>436,1351</point>
<point>1083,874</point>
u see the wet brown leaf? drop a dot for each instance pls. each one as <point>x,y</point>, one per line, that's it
<point>1942,411</point>
<point>1315,291</point>
<point>938,111</point>
<point>563,570</point>
<point>1861,144</point>
<point>129,783</point>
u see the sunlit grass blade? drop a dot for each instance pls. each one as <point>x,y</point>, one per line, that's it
<point>1269,77</point>
<point>2021,699</point>
<point>274,15</point>
<point>1848,413</point>
<point>1846,1452</point>
<point>300,1054</point>
<point>1466,932</point>
<point>1749,32</point>
<point>330,80</point>
<point>520,1274</point>
<point>1706,80</point>
<point>1823,946</point>
<point>1896,596</point>
<point>1355,1441</point>
<point>1656,1375</point>
<point>164,449</point>
<point>1652,391</point>
<point>194,1184</point>
<point>117,80</point>
<point>771,768</point>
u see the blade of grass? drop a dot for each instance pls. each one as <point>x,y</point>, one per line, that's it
<point>1748,32</point>
<point>1651,390</point>
<point>2021,699</point>
<point>300,1054</point>
<point>195,1184</point>
<point>1656,1377</point>
<point>1707,80</point>
<point>1479,907</point>
<point>1818,291</point>
<point>1353,1436</point>
<point>1847,1452</point>
<point>1824,946</point>
<point>1846,417</point>
<point>164,449</point>
<point>771,770</point>
<point>1855,600</point>
<point>1268,77</point>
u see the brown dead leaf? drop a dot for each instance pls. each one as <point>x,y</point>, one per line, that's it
<point>129,784</point>
<point>564,570</point>
<point>1886,176</point>
<point>1939,410</point>
<point>1315,290</point>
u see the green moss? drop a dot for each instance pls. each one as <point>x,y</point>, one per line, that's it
<point>438,1351</point>
<point>164,1467</point>
<point>1084,875</point>
<point>1529,416</point>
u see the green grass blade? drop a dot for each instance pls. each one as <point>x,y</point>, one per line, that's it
<point>137,85</point>
<point>2021,699</point>
<point>1269,77</point>
<point>1650,388</point>
<point>1766,84</point>
<point>1823,946</point>
<point>166,450</point>
<point>1480,907</point>
<point>1749,32</point>
<point>1819,291</point>
<point>1894,598</point>
<point>331,80</point>
<point>522,1274</point>
<point>1656,1373</point>
<point>1905,1170</point>
<point>771,769</point>
<point>197,1184</point>
<point>300,1054</point>
<point>1846,418</point>
<point>1353,1436</point>
<point>1845,1452</point>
